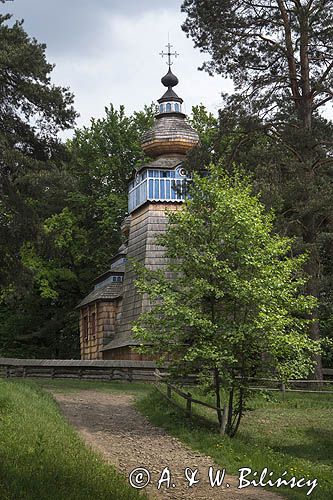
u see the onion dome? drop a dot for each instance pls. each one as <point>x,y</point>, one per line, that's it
<point>170,134</point>
<point>169,80</point>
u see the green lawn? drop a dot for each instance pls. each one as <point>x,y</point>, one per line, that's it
<point>72,385</point>
<point>43,458</point>
<point>294,433</point>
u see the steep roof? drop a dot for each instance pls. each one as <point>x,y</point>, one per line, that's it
<point>108,293</point>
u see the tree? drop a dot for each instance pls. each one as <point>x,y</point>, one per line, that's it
<point>104,156</point>
<point>275,50</point>
<point>235,305</point>
<point>61,205</point>
<point>279,54</point>
<point>32,112</point>
<point>32,180</point>
<point>80,216</point>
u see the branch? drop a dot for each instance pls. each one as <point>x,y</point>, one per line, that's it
<point>290,51</point>
<point>288,146</point>
<point>321,161</point>
<point>322,78</point>
<point>323,101</point>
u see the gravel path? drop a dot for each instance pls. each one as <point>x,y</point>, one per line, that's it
<point>110,424</point>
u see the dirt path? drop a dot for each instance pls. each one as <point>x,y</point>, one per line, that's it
<point>110,423</point>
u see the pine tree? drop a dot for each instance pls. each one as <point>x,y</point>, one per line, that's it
<point>279,54</point>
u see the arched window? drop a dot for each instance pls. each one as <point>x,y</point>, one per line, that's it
<point>168,107</point>
<point>161,108</point>
<point>177,107</point>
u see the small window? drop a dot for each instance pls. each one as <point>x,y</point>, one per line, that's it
<point>177,107</point>
<point>161,108</point>
<point>168,107</point>
<point>85,328</point>
<point>93,325</point>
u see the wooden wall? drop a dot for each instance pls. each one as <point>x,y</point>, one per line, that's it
<point>125,353</point>
<point>98,322</point>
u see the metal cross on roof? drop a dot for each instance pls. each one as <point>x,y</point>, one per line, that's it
<point>169,54</point>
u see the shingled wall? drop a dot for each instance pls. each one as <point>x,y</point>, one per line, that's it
<point>146,223</point>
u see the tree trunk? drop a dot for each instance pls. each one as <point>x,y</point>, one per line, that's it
<point>218,395</point>
<point>230,411</point>
<point>240,411</point>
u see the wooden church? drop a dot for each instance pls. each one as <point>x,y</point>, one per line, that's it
<point>108,312</point>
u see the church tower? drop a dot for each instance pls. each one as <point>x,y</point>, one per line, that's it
<point>155,188</point>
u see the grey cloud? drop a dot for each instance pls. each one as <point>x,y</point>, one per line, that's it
<point>77,26</point>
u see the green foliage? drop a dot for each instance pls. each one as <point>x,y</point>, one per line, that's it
<point>79,229</point>
<point>61,205</point>
<point>32,112</point>
<point>278,55</point>
<point>206,124</point>
<point>236,302</point>
<point>104,157</point>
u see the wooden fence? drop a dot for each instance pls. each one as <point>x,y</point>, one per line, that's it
<point>185,395</point>
<point>77,369</point>
<point>121,370</point>
<point>282,387</point>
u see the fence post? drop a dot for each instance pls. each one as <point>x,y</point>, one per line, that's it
<point>283,389</point>
<point>169,391</point>
<point>189,404</point>
<point>224,420</point>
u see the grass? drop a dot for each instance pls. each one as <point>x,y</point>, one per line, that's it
<point>292,433</point>
<point>138,389</point>
<point>42,457</point>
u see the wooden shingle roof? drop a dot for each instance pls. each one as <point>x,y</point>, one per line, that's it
<point>110,292</point>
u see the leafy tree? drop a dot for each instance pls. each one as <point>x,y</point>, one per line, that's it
<point>206,124</point>
<point>279,56</point>
<point>80,217</point>
<point>60,204</point>
<point>104,157</point>
<point>32,112</point>
<point>235,305</point>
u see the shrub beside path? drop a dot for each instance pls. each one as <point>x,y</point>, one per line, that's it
<point>111,424</point>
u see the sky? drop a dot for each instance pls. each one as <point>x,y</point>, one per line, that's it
<point>107,51</point>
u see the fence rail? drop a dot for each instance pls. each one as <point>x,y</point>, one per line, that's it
<point>127,370</point>
<point>188,396</point>
<point>283,387</point>
<point>77,369</point>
